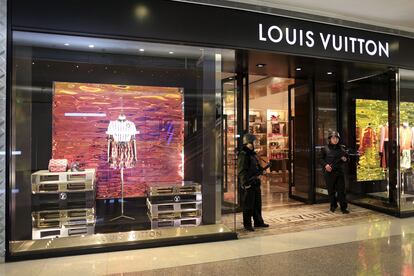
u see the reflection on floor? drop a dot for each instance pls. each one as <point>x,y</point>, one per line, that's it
<point>275,191</point>
<point>368,248</point>
<point>304,217</point>
<point>286,215</point>
<point>383,256</point>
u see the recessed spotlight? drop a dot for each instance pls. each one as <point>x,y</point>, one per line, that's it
<point>33,62</point>
<point>91,46</point>
<point>298,69</point>
<point>66,44</point>
<point>329,73</point>
<point>260,65</point>
<point>171,52</point>
<point>141,50</point>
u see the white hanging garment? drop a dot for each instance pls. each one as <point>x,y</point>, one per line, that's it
<point>122,131</point>
<point>122,151</point>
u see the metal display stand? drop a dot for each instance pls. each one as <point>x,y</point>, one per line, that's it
<point>122,200</point>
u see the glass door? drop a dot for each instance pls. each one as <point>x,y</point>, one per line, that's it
<point>326,120</point>
<point>229,186</point>
<point>300,98</point>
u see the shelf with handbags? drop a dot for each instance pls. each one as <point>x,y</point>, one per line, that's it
<point>63,201</point>
<point>277,140</point>
<point>258,127</point>
<point>230,157</point>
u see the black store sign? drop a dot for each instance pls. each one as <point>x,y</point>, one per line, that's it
<point>162,20</point>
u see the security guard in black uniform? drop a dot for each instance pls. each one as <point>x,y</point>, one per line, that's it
<point>333,157</point>
<point>248,171</point>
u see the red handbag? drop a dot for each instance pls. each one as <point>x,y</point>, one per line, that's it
<point>58,165</point>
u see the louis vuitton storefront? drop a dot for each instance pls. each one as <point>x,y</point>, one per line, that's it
<point>122,128</point>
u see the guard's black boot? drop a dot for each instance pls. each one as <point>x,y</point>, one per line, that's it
<point>249,228</point>
<point>263,225</point>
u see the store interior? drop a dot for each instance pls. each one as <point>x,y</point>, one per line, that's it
<point>268,121</point>
<point>271,117</point>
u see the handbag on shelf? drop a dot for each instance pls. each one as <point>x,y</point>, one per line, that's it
<point>58,165</point>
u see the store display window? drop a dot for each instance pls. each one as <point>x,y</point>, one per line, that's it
<point>406,141</point>
<point>116,142</point>
<point>369,131</point>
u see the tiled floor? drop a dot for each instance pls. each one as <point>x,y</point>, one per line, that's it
<point>295,218</point>
<point>383,256</point>
<point>270,253</point>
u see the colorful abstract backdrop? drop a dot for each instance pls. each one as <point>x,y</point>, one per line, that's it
<point>81,114</point>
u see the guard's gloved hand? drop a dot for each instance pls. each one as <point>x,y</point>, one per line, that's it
<point>245,187</point>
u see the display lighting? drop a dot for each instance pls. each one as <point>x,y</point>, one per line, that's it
<point>329,73</point>
<point>298,69</point>
<point>141,50</point>
<point>171,52</point>
<point>260,65</point>
<point>75,114</point>
<point>91,46</point>
<point>66,44</point>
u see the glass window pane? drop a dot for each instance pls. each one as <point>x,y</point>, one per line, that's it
<point>406,141</point>
<point>115,136</point>
<point>366,105</point>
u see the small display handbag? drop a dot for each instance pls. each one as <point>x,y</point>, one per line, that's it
<point>58,165</point>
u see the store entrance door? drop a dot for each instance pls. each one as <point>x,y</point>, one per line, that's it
<point>301,165</point>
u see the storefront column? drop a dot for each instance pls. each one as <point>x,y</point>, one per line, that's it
<point>211,163</point>
<point>3,69</point>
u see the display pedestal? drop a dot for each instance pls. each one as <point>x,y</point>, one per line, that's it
<point>122,200</point>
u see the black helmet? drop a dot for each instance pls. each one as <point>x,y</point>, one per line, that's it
<point>333,133</point>
<point>248,138</point>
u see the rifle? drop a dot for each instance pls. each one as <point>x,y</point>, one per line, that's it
<point>339,159</point>
<point>260,171</point>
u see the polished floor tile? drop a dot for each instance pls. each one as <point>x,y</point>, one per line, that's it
<point>248,246</point>
<point>383,256</point>
<point>297,218</point>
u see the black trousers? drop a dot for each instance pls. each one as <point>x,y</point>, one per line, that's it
<point>336,189</point>
<point>252,206</point>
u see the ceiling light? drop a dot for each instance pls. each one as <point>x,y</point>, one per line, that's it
<point>171,53</point>
<point>141,50</point>
<point>298,69</point>
<point>230,78</point>
<point>260,65</point>
<point>66,44</point>
<point>91,46</point>
<point>329,73</point>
